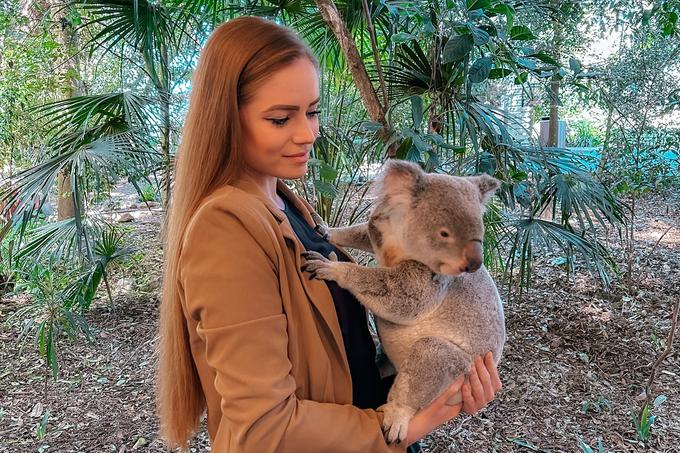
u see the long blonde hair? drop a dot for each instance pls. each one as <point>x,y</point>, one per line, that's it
<point>237,58</point>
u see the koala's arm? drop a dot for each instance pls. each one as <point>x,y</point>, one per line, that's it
<point>397,294</point>
<point>355,236</point>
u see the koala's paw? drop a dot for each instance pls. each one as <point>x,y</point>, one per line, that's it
<point>321,267</point>
<point>321,227</point>
<point>395,421</point>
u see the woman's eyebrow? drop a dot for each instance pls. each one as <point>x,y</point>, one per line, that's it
<point>289,107</point>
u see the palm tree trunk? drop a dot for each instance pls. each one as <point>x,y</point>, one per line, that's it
<point>165,149</point>
<point>69,39</point>
<point>164,91</point>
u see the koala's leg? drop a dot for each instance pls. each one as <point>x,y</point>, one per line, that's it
<point>427,371</point>
<point>355,236</point>
<point>397,294</point>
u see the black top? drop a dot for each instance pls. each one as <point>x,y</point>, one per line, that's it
<point>367,389</point>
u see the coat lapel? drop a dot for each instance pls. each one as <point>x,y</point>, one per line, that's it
<point>316,290</point>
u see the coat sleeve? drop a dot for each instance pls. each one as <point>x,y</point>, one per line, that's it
<point>231,289</point>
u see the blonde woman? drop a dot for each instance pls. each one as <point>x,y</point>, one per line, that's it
<point>280,362</point>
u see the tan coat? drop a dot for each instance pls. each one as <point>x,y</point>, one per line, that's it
<point>266,339</point>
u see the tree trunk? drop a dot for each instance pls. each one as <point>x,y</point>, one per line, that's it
<point>165,94</point>
<point>69,39</point>
<point>607,136</point>
<point>376,111</point>
<point>553,124</point>
<point>65,205</point>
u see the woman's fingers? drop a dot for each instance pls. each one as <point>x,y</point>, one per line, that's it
<point>454,388</point>
<point>484,384</point>
<point>493,371</point>
<point>468,400</point>
<point>476,387</point>
<point>485,379</point>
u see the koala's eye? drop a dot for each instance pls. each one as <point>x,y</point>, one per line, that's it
<point>444,233</point>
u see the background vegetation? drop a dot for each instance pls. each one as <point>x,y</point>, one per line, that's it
<point>93,93</point>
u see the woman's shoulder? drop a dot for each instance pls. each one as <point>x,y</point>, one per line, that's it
<point>235,206</point>
<point>233,200</point>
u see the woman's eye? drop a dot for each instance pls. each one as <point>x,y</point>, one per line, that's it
<point>282,121</point>
<point>444,233</point>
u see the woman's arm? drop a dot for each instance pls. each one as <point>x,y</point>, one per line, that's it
<point>245,334</point>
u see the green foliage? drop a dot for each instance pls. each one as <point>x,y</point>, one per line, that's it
<point>26,78</point>
<point>651,166</point>
<point>439,62</point>
<point>61,290</point>
<point>643,423</point>
<point>585,448</point>
<point>664,14</point>
<point>148,193</point>
<point>41,426</point>
<point>584,133</point>
<point>644,420</point>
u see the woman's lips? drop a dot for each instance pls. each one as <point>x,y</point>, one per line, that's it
<point>298,158</point>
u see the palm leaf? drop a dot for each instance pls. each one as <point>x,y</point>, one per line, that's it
<point>89,111</point>
<point>526,236</point>
<point>581,195</point>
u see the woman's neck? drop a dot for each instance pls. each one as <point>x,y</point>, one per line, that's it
<point>267,187</point>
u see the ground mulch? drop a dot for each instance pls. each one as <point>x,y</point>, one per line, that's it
<point>575,366</point>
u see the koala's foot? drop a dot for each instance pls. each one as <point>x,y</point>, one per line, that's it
<point>395,421</point>
<point>321,267</point>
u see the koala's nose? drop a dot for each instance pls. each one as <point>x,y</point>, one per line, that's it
<point>474,256</point>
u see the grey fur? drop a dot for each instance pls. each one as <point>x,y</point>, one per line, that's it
<point>431,325</point>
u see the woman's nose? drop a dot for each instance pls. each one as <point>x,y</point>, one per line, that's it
<point>306,132</point>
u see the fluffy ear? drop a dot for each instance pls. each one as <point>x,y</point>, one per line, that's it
<point>487,186</point>
<point>399,177</point>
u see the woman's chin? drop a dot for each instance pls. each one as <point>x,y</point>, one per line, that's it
<point>295,172</point>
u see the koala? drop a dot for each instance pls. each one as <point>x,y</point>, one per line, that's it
<point>436,306</point>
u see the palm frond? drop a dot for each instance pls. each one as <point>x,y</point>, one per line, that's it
<point>78,151</point>
<point>82,112</point>
<point>525,237</point>
<point>139,23</point>
<point>582,196</point>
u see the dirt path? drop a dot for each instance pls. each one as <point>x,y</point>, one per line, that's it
<point>575,364</point>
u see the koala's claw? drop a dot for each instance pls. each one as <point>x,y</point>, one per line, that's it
<point>395,421</point>
<point>321,227</point>
<point>319,266</point>
<point>324,232</point>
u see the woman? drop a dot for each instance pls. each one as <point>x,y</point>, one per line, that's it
<point>276,359</point>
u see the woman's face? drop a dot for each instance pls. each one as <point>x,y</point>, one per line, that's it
<point>280,123</point>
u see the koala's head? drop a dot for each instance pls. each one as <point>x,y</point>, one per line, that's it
<point>438,217</point>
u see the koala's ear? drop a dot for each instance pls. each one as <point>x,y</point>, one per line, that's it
<point>487,186</point>
<point>399,177</point>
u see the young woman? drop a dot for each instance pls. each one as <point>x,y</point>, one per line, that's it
<point>280,362</point>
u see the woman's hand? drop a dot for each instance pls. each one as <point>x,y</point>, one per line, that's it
<point>484,384</point>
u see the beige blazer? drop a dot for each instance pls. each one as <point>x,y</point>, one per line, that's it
<point>266,339</point>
